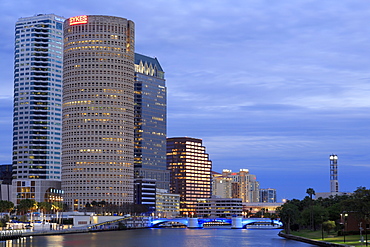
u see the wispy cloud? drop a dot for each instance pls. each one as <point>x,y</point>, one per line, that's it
<point>273,85</point>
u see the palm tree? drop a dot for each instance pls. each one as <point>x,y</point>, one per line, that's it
<point>311,192</point>
<point>27,204</point>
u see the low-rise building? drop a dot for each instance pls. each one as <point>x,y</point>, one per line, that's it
<point>268,195</point>
<point>255,207</point>
<point>145,192</point>
<point>219,207</point>
<point>167,204</point>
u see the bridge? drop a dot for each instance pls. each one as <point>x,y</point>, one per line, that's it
<point>236,222</point>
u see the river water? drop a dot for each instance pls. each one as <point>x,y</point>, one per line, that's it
<point>168,237</point>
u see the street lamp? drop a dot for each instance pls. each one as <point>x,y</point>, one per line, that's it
<point>322,227</point>
<point>344,230</point>
<point>366,226</point>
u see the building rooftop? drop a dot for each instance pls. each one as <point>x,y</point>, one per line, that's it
<point>149,60</point>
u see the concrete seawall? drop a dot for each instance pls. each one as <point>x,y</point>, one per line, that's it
<point>311,241</point>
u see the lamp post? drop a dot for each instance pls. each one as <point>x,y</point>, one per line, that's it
<point>362,238</point>
<point>366,233</point>
<point>322,227</point>
<point>344,230</point>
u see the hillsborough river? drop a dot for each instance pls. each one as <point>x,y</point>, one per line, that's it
<point>177,237</point>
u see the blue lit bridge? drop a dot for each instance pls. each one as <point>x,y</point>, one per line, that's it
<point>235,222</point>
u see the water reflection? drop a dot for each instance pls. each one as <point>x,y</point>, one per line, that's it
<point>162,237</point>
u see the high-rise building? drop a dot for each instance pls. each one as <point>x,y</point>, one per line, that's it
<point>37,120</point>
<point>222,186</point>
<point>150,121</point>
<point>98,110</point>
<point>190,169</point>
<point>6,173</point>
<point>268,195</point>
<point>243,185</point>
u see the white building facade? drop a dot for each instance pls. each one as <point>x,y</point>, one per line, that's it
<point>98,110</point>
<point>37,115</point>
<point>167,204</point>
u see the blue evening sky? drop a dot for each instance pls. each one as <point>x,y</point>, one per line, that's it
<point>271,86</point>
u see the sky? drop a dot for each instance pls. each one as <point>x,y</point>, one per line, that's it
<point>270,86</point>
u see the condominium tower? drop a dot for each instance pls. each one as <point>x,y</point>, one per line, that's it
<point>37,119</point>
<point>150,121</point>
<point>98,110</point>
<point>240,184</point>
<point>190,169</point>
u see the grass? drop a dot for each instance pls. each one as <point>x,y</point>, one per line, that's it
<point>352,240</point>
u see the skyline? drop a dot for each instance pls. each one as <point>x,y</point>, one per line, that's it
<point>271,87</point>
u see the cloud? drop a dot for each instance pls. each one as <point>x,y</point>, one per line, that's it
<point>272,85</point>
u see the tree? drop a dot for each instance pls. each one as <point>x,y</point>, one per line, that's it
<point>319,213</point>
<point>358,203</point>
<point>288,213</point>
<point>311,192</point>
<point>27,204</point>
<point>57,206</point>
<point>6,206</point>
<point>328,225</point>
<point>45,207</point>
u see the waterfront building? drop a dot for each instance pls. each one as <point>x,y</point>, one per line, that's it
<point>145,193</point>
<point>251,208</point>
<point>167,204</point>
<point>37,114</point>
<point>240,184</point>
<point>150,121</point>
<point>219,207</point>
<point>222,186</point>
<point>6,173</point>
<point>98,110</point>
<point>6,192</point>
<point>190,170</point>
<point>268,195</point>
<point>247,186</point>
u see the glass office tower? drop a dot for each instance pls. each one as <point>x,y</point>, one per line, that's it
<point>150,121</point>
<point>37,121</point>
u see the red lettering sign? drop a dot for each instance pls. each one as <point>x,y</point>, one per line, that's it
<point>81,19</point>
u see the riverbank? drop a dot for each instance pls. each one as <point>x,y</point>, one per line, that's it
<point>54,232</point>
<point>311,241</point>
<point>28,233</point>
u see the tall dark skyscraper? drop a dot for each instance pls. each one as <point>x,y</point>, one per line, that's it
<point>37,121</point>
<point>150,121</point>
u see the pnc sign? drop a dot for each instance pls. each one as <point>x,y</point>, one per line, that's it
<point>81,19</point>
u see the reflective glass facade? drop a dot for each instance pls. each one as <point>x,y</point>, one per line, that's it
<point>37,121</point>
<point>150,121</point>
